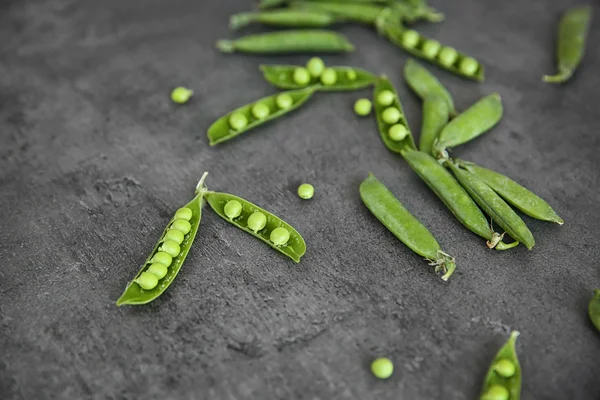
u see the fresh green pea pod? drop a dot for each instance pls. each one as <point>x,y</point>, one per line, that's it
<point>493,205</point>
<point>347,78</point>
<point>435,117</point>
<point>594,309</point>
<point>294,247</point>
<point>283,18</point>
<point>392,101</point>
<point>572,33</point>
<point>503,379</point>
<point>352,12</point>
<point>476,120</point>
<point>515,194</point>
<point>289,41</point>
<point>221,130</point>
<point>266,4</point>
<point>425,84</point>
<point>409,230</point>
<point>186,223</point>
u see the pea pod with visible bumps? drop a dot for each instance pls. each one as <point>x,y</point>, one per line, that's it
<point>347,78</point>
<point>425,84</point>
<point>594,309</point>
<point>390,105</point>
<point>503,379</point>
<point>283,18</point>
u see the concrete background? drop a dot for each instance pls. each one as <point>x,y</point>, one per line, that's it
<point>95,159</point>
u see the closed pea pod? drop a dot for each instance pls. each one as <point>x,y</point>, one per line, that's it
<point>283,18</point>
<point>435,117</point>
<point>503,379</point>
<point>425,84</point>
<point>388,115</point>
<point>290,41</point>
<point>353,12</point>
<point>282,76</point>
<point>594,309</point>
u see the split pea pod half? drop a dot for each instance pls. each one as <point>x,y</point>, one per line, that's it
<point>516,195</point>
<point>283,18</point>
<point>162,266</point>
<point>493,205</point>
<point>409,230</point>
<point>259,223</point>
<point>257,113</point>
<point>572,34</point>
<point>290,41</point>
<point>391,121</point>
<point>476,120</point>
<point>594,309</point>
<point>425,84</point>
<point>297,76</point>
<point>503,379</point>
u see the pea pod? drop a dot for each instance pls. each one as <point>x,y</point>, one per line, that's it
<point>594,309</point>
<point>425,84</point>
<point>347,78</point>
<point>435,117</point>
<point>283,18</point>
<point>290,41</point>
<point>503,379</point>
<point>476,120</point>
<point>384,86</point>
<point>572,33</point>
<point>493,205</point>
<point>294,247</point>
<point>398,220</point>
<point>222,130</point>
<point>354,12</point>
<point>168,254</point>
<point>515,194</point>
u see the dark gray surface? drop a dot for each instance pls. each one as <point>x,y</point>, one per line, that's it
<point>94,160</point>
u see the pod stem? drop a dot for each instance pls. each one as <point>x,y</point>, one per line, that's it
<point>240,20</point>
<point>562,75</point>
<point>225,46</point>
<point>200,186</point>
<point>445,263</point>
<point>434,16</point>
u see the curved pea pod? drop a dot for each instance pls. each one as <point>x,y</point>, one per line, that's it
<point>515,194</point>
<point>409,230</point>
<point>594,309</point>
<point>425,84</point>
<point>282,76</point>
<point>283,18</point>
<point>494,206</point>
<point>383,83</point>
<point>504,375</point>
<point>435,117</point>
<point>572,33</point>
<point>295,246</point>
<point>221,130</point>
<point>290,41</point>
<point>354,12</point>
<point>134,294</point>
<point>476,120</point>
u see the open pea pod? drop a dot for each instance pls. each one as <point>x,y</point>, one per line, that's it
<point>503,380</point>
<point>594,309</point>
<point>347,78</point>
<point>294,247</point>
<point>278,105</point>
<point>397,146</point>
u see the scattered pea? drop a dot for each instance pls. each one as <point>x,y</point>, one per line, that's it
<point>238,121</point>
<point>147,281</point>
<point>410,38</point>
<point>468,66</point>
<point>301,76</point>
<point>174,235</point>
<point>162,258</point>
<point>382,368</point>
<point>284,101</point>
<point>315,66</point>
<point>306,191</point>
<point>496,392</point>
<point>257,221</point>
<point>184,213</point>
<point>363,107</point>
<point>171,248</point>
<point>448,56</point>
<point>351,75</point>
<point>158,270</point>
<point>181,95</point>
<point>431,48</point>
<point>260,110</point>
<point>391,115</point>
<point>233,209</point>
<point>397,132</point>
<point>329,77</point>
<point>181,225</point>
<point>505,368</point>
<point>385,98</point>
<point>279,236</point>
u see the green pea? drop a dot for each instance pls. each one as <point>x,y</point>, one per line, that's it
<point>174,235</point>
<point>315,66</point>
<point>162,258</point>
<point>279,236</point>
<point>448,56</point>
<point>496,392</point>
<point>385,98</point>
<point>431,48</point>
<point>170,247</point>
<point>382,368</point>
<point>257,221</point>
<point>391,115</point>
<point>306,191</point>
<point>238,121</point>
<point>181,225</point>
<point>505,368</point>
<point>260,110</point>
<point>147,281</point>
<point>233,209</point>
<point>351,75</point>
<point>329,77</point>
<point>363,107</point>
<point>158,270</point>
<point>410,38</point>
<point>397,132</point>
<point>301,76</point>
<point>181,95</point>
<point>284,101</point>
<point>183,213</point>
<point>468,66</point>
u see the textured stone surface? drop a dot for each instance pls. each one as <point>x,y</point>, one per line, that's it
<point>94,159</point>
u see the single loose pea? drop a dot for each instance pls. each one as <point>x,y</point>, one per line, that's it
<point>391,115</point>
<point>162,258</point>
<point>238,121</point>
<point>306,191</point>
<point>260,110</point>
<point>279,236</point>
<point>184,213</point>
<point>257,221</point>
<point>182,225</point>
<point>448,56</point>
<point>329,77</point>
<point>410,38</point>
<point>171,248</point>
<point>315,66</point>
<point>174,235</point>
<point>301,76</point>
<point>468,66</point>
<point>284,101</point>
<point>181,95</point>
<point>362,107</point>
<point>351,75</point>
<point>147,281</point>
<point>397,132</point>
<point>158,270</point>
<point>233,209</point>
<point>505,368</point>
<point>385,98</point>
<point>431,48</point>
<point>496,392</point>
<point>382,368</point>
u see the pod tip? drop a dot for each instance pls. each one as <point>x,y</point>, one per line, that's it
<point>225,46</point>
